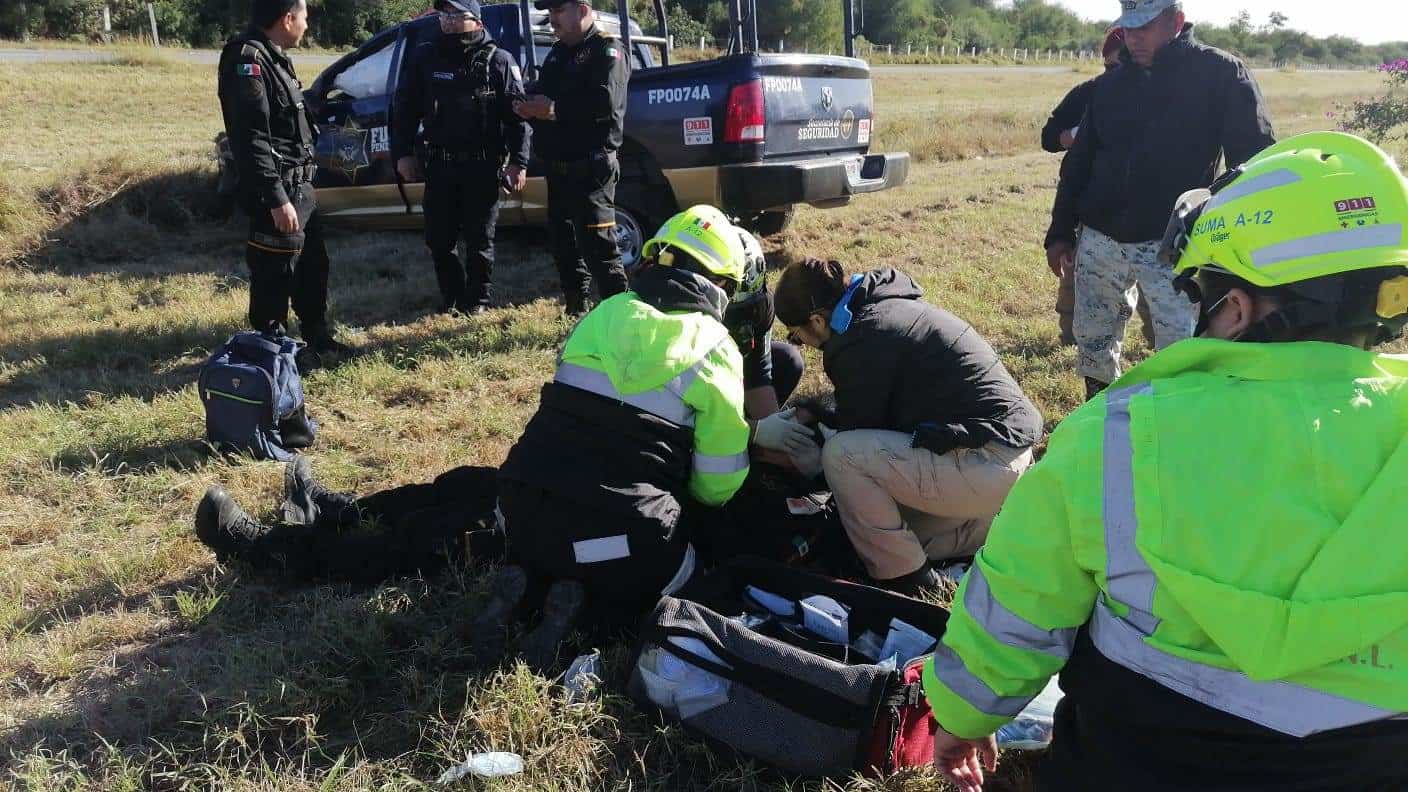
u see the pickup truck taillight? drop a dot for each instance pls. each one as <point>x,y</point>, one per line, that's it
<point>745,120</point>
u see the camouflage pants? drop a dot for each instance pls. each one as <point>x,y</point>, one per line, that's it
<point>1110,276</point>
<point>1066,311</point>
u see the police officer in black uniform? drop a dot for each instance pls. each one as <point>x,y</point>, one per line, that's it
<point>578,110</point>
<point>272,136</point>
<point>462,88</point>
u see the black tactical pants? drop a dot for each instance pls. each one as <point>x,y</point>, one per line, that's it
<point>582,221</point>
<point>622,559</point>
<point>462,199</point>
<point>287,267</point>
<point>412,529</point>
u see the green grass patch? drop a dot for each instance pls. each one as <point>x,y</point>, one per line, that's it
<point>132,661</point>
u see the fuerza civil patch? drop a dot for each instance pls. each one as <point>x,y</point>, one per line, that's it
<point>248,70</point>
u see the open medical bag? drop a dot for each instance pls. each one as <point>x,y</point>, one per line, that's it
<point>808,674</point>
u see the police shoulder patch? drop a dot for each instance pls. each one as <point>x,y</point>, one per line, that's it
<point>248,70</point>
<point>611,52</point>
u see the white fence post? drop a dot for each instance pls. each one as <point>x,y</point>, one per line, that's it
<point>151,14</point>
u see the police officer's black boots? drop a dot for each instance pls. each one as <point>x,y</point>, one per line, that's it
<point>307,502</point>
<point>915,583</point>
<point>228,530</point>
<point>560,610</point>
<point>1093,387</point>
<point>576,305</point>
<point>485,633</point>
<point>223,526</point>
<point>320,339</point>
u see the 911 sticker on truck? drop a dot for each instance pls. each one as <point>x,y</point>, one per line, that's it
<point>698,131</point>
<point>688,93</point>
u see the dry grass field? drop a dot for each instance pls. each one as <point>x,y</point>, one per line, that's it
<point>129,660</point>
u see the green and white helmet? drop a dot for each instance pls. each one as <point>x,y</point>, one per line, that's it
<point>1320,218</point>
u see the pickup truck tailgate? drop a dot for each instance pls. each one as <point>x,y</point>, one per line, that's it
<point>816,104</point>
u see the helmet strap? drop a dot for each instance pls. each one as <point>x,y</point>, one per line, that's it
<point>1292,321</point>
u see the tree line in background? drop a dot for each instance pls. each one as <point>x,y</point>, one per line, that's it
<point>799,25</point>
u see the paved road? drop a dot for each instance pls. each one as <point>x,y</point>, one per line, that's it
<point>970,69</point>
<point>210,57</point>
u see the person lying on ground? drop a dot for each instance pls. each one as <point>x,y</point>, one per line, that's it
<point>422,528</point>
<point>930,431</point>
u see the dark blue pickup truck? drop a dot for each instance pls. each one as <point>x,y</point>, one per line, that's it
<point>754,134</point>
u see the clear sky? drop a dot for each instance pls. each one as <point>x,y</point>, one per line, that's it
<point>1370,21</point>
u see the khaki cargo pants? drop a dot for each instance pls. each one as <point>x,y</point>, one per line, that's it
<point>1110,276</point>
<point>903,507</point>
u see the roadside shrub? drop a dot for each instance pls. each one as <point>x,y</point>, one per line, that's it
<point>1378,118</point>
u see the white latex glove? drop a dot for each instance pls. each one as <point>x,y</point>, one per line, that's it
<point>806,456</point>
<point>775,431</point>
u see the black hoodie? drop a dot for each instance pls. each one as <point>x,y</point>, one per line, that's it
<point>1151,135</point>
<point>903,362</point>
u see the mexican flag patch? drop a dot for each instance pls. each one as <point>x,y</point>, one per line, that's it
<point>248,70</point>
<point>610,52</point>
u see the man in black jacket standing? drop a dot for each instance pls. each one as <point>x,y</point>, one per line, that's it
<point>1057,137</point>
<point>271,137</point>
<point>1156,128</point>
<point>578,110</point>
<point>462,88</point>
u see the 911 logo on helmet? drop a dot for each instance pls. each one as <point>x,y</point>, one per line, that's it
<point>1355,205</point>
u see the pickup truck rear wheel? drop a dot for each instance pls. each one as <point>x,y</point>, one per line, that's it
<point>630,237</point>
<point>771,223</point>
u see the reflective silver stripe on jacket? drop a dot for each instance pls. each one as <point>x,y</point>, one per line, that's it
<point>955,676</point>
<point>1286,707</point>
<point>1007,627</point>
<point>666,401</point>
<point>1128,577</point>
<point>720,465</point>
<point>1283,706</point>
<point>595,551</point>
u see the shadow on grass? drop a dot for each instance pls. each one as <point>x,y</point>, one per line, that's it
<point>272,672</point>
<point>101,597</point>
<point>176,455</point>
<point>146,227</point>
<point>107,362</point>
<point>110,215</point>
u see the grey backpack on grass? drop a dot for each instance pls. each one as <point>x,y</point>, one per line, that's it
<point>253,397</point>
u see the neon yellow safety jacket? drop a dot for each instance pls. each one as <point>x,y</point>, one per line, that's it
<point>678,365</point>
<point>1228,521</point>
